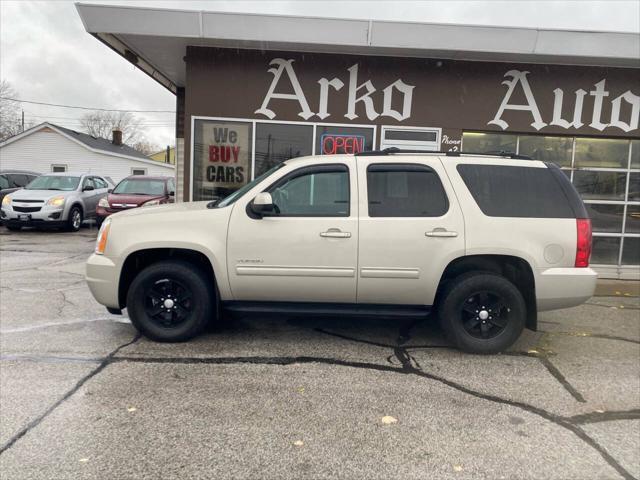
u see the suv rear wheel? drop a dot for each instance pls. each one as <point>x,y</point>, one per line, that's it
<point>170,301</point>
<point>482,312</point>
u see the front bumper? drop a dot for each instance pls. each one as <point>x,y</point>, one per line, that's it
<point>102,277</point>
<point>47,216</point>
<point>564,287</point>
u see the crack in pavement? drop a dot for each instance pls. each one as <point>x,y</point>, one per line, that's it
<point>603,336</point>
<point>408,367</point>
<point>35,422</point>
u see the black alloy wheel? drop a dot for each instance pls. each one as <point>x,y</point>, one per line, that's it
<point>168,303</point>
<point>171,301</point>
<point>485,315</point>
<point>481,312</point>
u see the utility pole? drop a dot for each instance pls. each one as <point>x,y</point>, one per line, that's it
<point>23,120</point>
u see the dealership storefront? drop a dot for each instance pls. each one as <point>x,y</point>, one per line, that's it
<point>245,105</point>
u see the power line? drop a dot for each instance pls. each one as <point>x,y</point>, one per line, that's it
<point>86,108</point>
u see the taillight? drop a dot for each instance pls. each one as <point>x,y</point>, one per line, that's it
<point>583,244</point>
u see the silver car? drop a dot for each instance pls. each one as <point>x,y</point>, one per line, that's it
<point>55,200</point>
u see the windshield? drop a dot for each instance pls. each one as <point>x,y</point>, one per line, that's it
<point>54,182</point>
<point>241,191</point>
<point>140,187</point>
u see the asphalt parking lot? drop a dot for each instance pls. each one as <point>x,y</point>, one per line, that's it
<point>83,396</point>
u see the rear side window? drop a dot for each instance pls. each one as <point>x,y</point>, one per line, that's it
<point>405,190</point>
<point>529,192</point>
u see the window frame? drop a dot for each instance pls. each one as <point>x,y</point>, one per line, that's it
<point>310,170</point>
<point>405,167</point>
<point>143,169</point>
<point>59,165</point>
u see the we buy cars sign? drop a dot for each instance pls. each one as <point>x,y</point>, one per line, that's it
<point>226,152</point>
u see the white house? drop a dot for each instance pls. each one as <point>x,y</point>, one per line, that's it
<point>50,148</point>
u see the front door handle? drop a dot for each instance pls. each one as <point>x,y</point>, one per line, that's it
<point>335,233</point>
<point>441,232</point>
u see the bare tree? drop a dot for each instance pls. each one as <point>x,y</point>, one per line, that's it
<point>10,123</point>
<point>101,124</point>
<point>145,147</point>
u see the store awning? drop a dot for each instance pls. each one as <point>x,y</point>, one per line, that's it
<point>155,39</point>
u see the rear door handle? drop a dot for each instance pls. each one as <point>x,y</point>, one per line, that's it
<point>441,232</point>
<point>335,233</point>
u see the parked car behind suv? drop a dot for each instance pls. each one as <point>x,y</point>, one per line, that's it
<point>54,200</point>
<point>136,191</point>
<point>483,242</point>
<point>12,180</point>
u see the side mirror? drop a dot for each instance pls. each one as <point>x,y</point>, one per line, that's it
<point>88,188</point>
<point>110,190</point>
<point>172,193</point>
<point>262,205</point>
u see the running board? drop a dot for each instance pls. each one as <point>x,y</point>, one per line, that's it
<point>302,308</point>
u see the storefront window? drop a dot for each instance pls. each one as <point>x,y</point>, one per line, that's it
<point>599,170</point>
<point>601,153</point>
<point>631,251</point>
<point>488,142</point>
<point>276,142</point>
<point>606,218</point>
<point>221,158</point>
<point>605,250</point>
<point>600,185</point>
<point>549,149</point>
<point>331,140</point>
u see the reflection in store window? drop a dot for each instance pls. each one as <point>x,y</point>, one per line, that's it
<point>488,142</point>
<point>601,153</point>
<point>548,149</point>
<point>277,142</point>
<point>634,187</point>
<point>221,158</point>
<point>631,251</point>
<point>633,219</point>
<point>605,250</point>
<point>606,218</point>
<point>635,153</point>
<point>332,140</point>
<point>600,185</point>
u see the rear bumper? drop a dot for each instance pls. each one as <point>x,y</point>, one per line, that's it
<point>564,287</point>
<point>102,278</point>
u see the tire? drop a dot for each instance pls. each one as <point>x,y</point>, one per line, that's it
<point>14,228</point>
<point>178,285</point>
<point>474,329</point>
<point>75,219</point>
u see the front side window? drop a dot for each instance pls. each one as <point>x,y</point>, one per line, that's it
<point>315,192</point>
<point>405,191</point>
<point>99,182</point>
<point>4,182</point>
<point>54,182</point>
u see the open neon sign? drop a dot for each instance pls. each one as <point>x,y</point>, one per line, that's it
<point>335,143</point>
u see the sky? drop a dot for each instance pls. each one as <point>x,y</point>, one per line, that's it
<point>47,56</point>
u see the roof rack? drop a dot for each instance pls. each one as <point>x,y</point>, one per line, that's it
<point>394,150</point>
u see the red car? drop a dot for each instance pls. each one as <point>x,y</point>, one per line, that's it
<point>136,191</point>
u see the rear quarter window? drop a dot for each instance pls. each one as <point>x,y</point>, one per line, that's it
<point>529,192</point>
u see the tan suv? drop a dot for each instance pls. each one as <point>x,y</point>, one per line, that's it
<point>484,242</point>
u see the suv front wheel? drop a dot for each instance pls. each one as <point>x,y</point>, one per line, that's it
<point>170,301</point>
<point>482,312</point>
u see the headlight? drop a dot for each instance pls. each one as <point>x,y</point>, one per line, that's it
<point>56,201</point>
<point>103,234</point>
<point>103,202</point>
<point>6,201</point>
<point>151,203</point>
